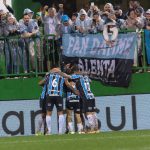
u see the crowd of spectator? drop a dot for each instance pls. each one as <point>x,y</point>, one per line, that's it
<point>50,21</point>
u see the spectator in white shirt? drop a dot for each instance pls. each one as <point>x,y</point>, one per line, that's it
<point>50,20</point>
<point>83,23</point>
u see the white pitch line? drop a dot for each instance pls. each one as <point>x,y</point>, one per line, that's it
<point>72,139</point>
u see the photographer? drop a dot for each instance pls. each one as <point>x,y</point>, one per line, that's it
<point>97,23</point>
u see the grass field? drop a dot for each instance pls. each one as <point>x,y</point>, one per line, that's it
<point>133,140</point>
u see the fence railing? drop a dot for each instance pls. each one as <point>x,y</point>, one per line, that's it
<point>27,56</point>
<point>33,56</point>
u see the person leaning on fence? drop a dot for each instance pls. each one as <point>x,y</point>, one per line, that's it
<point>28,12</point>
<point>30,32</point>
<point>3,43</point>
<point>13,30</point>
<point>5,32</point>
<point>39,19</point>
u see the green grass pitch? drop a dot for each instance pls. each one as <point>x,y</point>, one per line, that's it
<point>131,140</point>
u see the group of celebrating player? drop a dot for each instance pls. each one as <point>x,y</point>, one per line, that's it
<point>75,87</point>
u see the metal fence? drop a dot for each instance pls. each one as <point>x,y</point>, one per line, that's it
<point>28,56</point>
<point>34,56</point>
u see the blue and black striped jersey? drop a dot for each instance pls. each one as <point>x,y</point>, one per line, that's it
<point>44,90</point>
<point>83,85</point>
<point>55,85</point>
<point>70,95</point>
<point>43,94</point>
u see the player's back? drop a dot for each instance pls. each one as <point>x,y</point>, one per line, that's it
<point>55,84</point>
<point>83,85</point>
<point>69,93</point>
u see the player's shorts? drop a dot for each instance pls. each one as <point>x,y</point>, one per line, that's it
<point>43,105</point>
<point>88,105</point>
<point>73,105</point>
<point>54,100</point>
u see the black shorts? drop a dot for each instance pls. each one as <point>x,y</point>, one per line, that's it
<point>88,105</point>
<point>54,100</point>
<point>73,105</point>
<point>43,105</point>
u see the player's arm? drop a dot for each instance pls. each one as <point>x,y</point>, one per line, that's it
<point>70,87</point>
<point>64,75</point>
<point>58,71</point>
<point>42,82</point>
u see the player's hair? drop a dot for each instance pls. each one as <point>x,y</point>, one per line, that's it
<point>75,68</point>
<point>54,66</point>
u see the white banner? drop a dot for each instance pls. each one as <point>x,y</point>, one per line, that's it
<point>21,117</point>
<point>117,113</point>
<point>124,112</point>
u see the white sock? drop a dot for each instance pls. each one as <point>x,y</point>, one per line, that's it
<point>70,126</point>
<point>91,121</point>
<point>61,124</point>
<point>40,123</point>
<point>48,123</point>
<point>80,127</point>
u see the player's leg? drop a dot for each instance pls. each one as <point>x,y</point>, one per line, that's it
<point>96,129</point>
<point>41,124</point>
<point>93,115</point>
<point>90,119</point>
<point>77,111</point>
<point>49,108</point>
<point>69,121</point>
<point>79,122</point>
<point>61,119</point>
<point>42,118</point>
<point>90,109</point>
